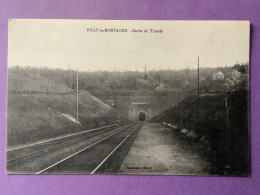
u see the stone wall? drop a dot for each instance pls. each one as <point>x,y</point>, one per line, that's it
<point>136,108</point>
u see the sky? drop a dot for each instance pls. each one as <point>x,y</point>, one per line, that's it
<point>70,44</point>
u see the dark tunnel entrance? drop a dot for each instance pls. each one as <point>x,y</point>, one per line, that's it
<point>141,116</point>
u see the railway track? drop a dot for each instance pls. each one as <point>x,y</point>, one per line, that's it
<point>34,148</point>
<point>85,153</point>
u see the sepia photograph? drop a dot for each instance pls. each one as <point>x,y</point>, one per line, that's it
<point>141,97</point>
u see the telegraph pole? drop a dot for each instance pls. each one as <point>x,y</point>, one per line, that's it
<point>227,116</point>
<point>181,117</point>
<point>77,95</point>
<point>198,78</point>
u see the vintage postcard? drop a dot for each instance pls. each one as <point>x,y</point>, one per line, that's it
<point>128,97</point>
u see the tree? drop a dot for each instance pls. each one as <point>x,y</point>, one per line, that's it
<point>235,81</point>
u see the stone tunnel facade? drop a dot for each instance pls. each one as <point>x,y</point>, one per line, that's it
<point>137,108</point>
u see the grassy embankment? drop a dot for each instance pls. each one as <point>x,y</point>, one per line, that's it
<point>39,109</point>
<point>223,132</point>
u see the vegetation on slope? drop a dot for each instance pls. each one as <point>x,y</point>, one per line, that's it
<point>161,89</point>
<point>223,129</point>
<point>185,79</point>
<point>44,109</point>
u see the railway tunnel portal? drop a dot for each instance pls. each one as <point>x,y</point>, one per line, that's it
<point>140,111</point>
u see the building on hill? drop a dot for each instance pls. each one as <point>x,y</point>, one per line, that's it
<point>218,76</point>
<point>186,82</point>
<point>235,74</point>
<point>163,87</point>
<point>143,83</point>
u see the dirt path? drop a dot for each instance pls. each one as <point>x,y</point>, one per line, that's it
<point>159,150</point>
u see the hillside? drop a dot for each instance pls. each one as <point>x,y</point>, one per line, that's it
<point>24,80</point>
<point>161,89</point>
<point>151,80</point>
<point>223,130</point>
<point>39,108</point>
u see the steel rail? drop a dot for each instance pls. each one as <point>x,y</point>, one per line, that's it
<point>56,145</point>
<point>61,137</point>
<point>114,150</point>
<point>45,169</point>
